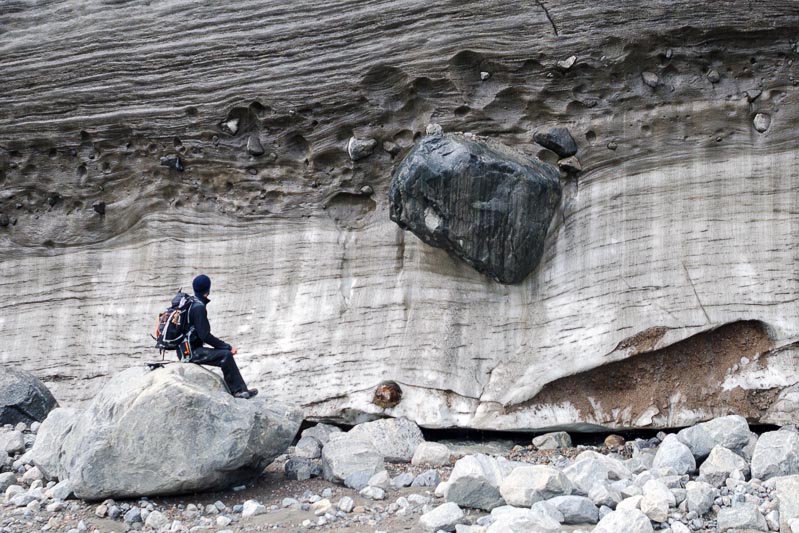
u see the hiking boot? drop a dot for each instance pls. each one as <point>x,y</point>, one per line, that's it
<point>246,394</point>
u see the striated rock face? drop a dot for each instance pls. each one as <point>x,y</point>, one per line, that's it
<point>671,254</point>
<point>489,207</point>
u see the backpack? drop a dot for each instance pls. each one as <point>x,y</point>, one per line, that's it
<point>172,330</point>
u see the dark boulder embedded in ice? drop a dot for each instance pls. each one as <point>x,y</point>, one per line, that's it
<point>487,205</point>
<point>559,140</point>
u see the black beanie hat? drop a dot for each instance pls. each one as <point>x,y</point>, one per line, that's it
<point>201,285</point>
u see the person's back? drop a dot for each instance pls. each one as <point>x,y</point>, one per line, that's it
<point>221,353</point>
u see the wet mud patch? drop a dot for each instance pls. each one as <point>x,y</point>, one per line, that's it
<point>689,373</point>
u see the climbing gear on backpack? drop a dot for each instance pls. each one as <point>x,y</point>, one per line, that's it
<point>172,330</point>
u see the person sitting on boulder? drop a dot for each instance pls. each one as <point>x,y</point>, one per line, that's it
<point>222,353</point>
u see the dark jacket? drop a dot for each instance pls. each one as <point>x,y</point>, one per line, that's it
<point>198,319</point>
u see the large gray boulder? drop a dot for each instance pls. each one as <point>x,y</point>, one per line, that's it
<point>509,519</point>
<point>744,516</point>
<point>351,459</point>
<point>47,452</point>
<point>475,481</point>
<point>487,205</point>
<point>720,464</point>
<point>167,431</point>
<point>576,509</point>
<point>624,520</point>
<point>395,438</point>
<point>776,454</point>
<point>675,455</point>
<point>23,398</point>
<point>731,431</point>
<point>526,485</point>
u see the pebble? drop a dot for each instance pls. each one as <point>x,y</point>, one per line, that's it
<point>651,79</point>
<point>762,122</point>
<point>567,63</point>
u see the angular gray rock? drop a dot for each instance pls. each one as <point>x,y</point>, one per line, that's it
<point>431,453</point>
<point>720,464</point>
<point>657,500</point>
<point>444,517</point>
<point>49,439</point>
<point>559,140</point>
<point>624,520</point>
<point>576,509</point>
<point>552,441</point>
<point>675,455</point>
<point>526,485</point>
<point>787,491</point>
<point>699,497</point>
<point>428,478</point>
<point>484,204</point>
<point>300,468</point>
<point>395,438</point>
<point>351,459</point>
<point>585,474</point>
<point>360,148</point>
<point>744,516</point>
<point>167,431</point>
<point>308,447</point>
<point>11,441</point>
<point>731,431</point>
<point>509,519</point>
<point>474,482</point>
<point>320,432</point>
<point>23,397</point>
<point>776,454</point>
<point>602,494</point>
<point>6,480</point>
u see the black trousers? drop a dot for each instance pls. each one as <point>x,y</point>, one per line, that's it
<point>223,359</point>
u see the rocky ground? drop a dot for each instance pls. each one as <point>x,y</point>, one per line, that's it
<point>716,476</point>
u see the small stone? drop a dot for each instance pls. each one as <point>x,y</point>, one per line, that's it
<point>669,53</point>
<point>173,162</point>
<point>367,190</point>
<point>99,207</point>
<point>309,448</point>
<point>570,165</point>
<point>4,220</point>
<point>431,453</point>
<point>612,145</point>
<point>101,511</point>
<point>373,493</point>
<point>321,507</point>
<point>254,146</point>
<point>132,516</point>
<point>753,94</point>
<point>713,76</point>
<point>346,504</point>
<point>403,480</point>
<point>428,478</point>
<point>252,508</point>
<point>232,126</point>
<point>567,63</point>
<point>360,148</point>
<point>613,441</point>
<point>380,480</point>
<point>223,521</point>
<point>156,520</point>
<point>444,517</point>
<point>434,129</point>
<point>485,75</point>
<point>651,79</point>
<point>391,148</point>
<point>762,121</point>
